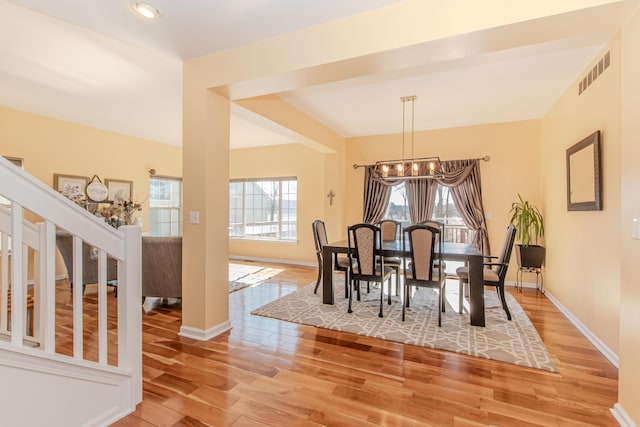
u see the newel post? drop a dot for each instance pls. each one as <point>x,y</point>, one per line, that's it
<point>130,308</point>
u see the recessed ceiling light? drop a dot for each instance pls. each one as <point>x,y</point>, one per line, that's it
<point>145,10</point>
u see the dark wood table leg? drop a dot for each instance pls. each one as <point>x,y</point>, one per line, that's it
<point>476,290</point>
<point>327,276</point>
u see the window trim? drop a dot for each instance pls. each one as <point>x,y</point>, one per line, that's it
<point>179,208</point>
<point>279,179</point>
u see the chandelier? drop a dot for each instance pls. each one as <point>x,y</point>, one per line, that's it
<point>407,168</point>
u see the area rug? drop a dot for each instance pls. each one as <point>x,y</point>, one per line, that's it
<point>515,341</point>
<point>243,275</point>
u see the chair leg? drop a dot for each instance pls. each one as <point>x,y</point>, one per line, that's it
<point>350,294</point>
<point>405,300</point>
<point>315,290</point>
<point>381,298</point>
<point>347,283</point>
<point>460,296</point>
<point>500,289</point>
<point>440,308</point>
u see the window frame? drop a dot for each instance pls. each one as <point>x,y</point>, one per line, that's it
<point>244,210</point>
<point>170,209</point>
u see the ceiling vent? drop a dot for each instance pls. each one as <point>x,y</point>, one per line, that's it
<point>595,72</point>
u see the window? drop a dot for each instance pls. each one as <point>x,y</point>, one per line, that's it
<point>263,209</point>
<point>444,211</point>
<point>398,207</point>
<point>165,206</point>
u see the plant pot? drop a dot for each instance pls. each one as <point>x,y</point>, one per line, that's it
<point>531,256</point>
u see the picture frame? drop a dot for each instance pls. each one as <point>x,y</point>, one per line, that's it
<point>119,188</point>
<point>71,186</point>
<point>584,174</point>
<point>18,161</point>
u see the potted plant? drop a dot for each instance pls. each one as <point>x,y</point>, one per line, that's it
<point>529,225</point>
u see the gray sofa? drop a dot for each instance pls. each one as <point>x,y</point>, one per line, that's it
<point>161,265</point>
<point>64,242</point>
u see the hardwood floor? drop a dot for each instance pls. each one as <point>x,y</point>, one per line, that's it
<point>266,372</point>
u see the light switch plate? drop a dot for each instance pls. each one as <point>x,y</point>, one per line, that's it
<point>636,228</point>
<point>194,217</point>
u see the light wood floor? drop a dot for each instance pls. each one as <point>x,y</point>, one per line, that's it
<point>266,372</point>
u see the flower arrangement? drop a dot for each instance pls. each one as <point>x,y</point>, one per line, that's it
<point>121,212</point>
<point>127,208</point>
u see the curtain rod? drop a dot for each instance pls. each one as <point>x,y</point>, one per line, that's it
<point>485,158</point>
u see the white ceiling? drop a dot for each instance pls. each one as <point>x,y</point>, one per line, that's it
<point>98,64</point>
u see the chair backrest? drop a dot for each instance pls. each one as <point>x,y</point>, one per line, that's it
<point>505,252</point>
<point>433,223</point>
<point>423,242</point>
<point>319,235</point>
<point>363,240</point>
<point>390,230</point>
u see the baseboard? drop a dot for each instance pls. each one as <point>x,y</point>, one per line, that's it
<point>528,285</point>
<point>602,348</point>
<point>621,416</point>
<point>273,260</point>
<point>202,335</point>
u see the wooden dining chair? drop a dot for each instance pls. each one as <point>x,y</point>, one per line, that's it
<point>365,263</point>
<point>440,226</point>
<point>340,261</point>
<point>391,230</point>
<point>424,264</point>
<point>494,272</point>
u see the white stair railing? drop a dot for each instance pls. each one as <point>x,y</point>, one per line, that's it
<point>20,238</point>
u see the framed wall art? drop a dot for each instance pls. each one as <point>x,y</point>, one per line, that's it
<point>72,186</point>
<point>119,189</point>
<point>584,175</point>
<point>18,162</point>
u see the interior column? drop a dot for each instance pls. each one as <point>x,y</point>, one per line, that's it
<point>205,253</point>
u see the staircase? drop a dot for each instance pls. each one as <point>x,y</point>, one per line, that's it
<point>53,374</point>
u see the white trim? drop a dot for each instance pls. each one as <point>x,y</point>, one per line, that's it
<point>109,417</point>
<point>201,335</point>
<point>601,346</point>
<point>621,416</point>
<point>273,260</point>
<point>35,360</point>
<point>528,285</point>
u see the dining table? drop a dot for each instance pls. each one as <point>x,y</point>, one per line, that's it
<point>464,252</point>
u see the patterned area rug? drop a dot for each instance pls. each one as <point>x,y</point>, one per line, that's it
<point>242,275</point>
<point>515,341</point>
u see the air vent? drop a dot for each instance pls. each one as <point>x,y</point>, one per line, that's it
<point>595,72</point>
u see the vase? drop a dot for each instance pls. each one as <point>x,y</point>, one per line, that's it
<point>128,218</point>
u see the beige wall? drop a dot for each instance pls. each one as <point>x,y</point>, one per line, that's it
<point>629,385</point>
<point>51,146</point>
<point>583,248</point>
<point>514,166</point>
<point>291,160</point>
